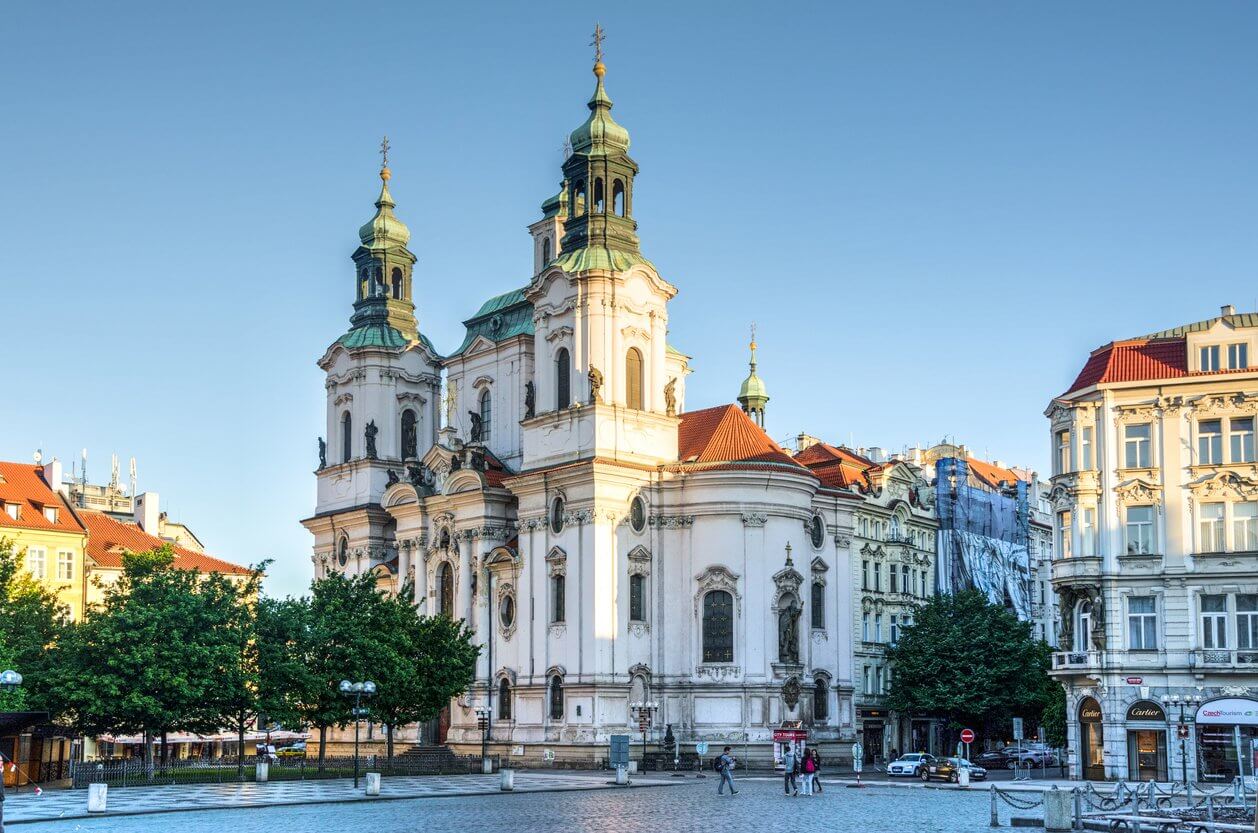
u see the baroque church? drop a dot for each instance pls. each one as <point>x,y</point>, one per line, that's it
<point>546,482</point>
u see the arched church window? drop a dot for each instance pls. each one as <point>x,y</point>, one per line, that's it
<point>347,437</point>
<point>578,198</point>
<point>342,552</point>
<point>821,701</point>
<point>598,195</point>
<point>545,250</point>
<point>445,590</point>
<point>486,408</point>
<point>410,438</point>
<point>817,532</point>
<point>618,198</point>
<point>364,281</point>
<point>504,699</point>
<point>556,515</point>
<point>718,626</point>
<point>563,379</point>
<point>818,604</point>
<point>397,284</point>
<point>556,697</point>
<point>633,379</point>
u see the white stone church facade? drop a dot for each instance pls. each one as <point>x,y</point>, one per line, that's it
<point>546,483</point>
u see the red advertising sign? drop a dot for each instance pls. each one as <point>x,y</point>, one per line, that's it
<point>781,735</point>
<point>1135,680</point>
<point>967,735</point>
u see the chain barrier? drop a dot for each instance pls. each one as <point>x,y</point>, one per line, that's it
<point>1019,801</point>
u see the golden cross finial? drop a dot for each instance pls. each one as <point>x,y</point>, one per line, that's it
<point>597,43</point>
<point>384,153</point>
<point>753,335</point>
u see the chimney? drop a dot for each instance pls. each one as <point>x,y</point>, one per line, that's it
<point>53,475</point>
<point>803,441</point>
<point>146,512</point>
<point>1228,309</point>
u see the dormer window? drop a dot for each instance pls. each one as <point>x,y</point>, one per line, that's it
<point>50,514</point>
<point>1209,358</point>
<point>13,510</point>
<point>1237,356</point>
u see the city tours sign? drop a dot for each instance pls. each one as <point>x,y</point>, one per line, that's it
<point>1146,710</point>
<point>1229,711</point>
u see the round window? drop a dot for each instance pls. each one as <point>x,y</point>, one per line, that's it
<point>817,531</point>
<point>637,514</point>
<point>506,612</point>
<point>556,515</point>
<point>342,554</point>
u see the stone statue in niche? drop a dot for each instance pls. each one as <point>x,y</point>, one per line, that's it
<point>323,454</point>
<point>596,384</point>
<point>788,633</point>
<point>670,397</point>
<point>477,434</point>
<point>370,432</point>
<point>530,401</point>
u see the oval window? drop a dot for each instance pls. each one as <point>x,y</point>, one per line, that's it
<point>637,514</point>
<point>506,613</point>
<point>817,531</point>
<point>556,515</point>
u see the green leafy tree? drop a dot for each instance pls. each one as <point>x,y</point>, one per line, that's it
<point>231,637</point>
<point>419,663</point>
<point>970,662</point>
<point>31,621</point>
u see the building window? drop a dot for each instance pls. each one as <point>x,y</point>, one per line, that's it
<point>545,250</point>
<point>445,590</point>
<point>1087,530</point>
<point>347,437</point>
<point>864,627</point>
<point>618,197</point>
<point>864,575</point>
<point>1214,622</point>
<point>817,532</point>
<point>1063,452</point>
<point>37,562</point>
<point>895,628</point>
<point>504,699</point>
<point>818,602</point>
<point>878,679</point>
<point>563,379</point>
<point>506,611</point>
<point>637,514</point>
<point>342,552</point>
<point>904,578</point>
<point>1247,622</point>
<point>397,284</point>
<point>556,698</point>
<point>557,587</point>
<point>1137,446</point>
<point>633,379</point>
<point>867,674</point>
<point>556,515</point>
<point>1064,533</point>
<point>1237,356</point>
<point>1142,623</point>
<point>486,415</point>
<point>1210,357</point>
<point>1083,626</point>
<point>637,598</point>
<point>1241,439</point>
<point>718,626</point>
<point>1140,537</point>
<point>1210,442</point>
<point>1211,526</point>
<point>65,565</point>
<point>821,701</point>
<point>50,514</point>
<point>877,577</point>
<point>13,510</point>
<point>410,438</point>
<point>893,580</point>
<point>1085,447</point>
<point>877,627</point>
<point>1245,526</point>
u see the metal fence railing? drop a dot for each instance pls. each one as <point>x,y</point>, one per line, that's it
<point>131,772</point>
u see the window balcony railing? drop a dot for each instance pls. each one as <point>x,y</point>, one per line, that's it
<point>1222,658</point>
<point>1068,660</point>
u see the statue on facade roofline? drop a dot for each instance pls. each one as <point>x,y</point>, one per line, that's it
<point>477,434</point>
<point>323,454</point>
<point>788,633</point>
<point>530,400</point>
<point>670,397</point>
<point>370,432</point>
<point>596,384</point>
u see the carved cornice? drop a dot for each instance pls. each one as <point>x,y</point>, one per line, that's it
<point>1225,484</point>
<point>717,577</point>
<point>755,519</point>
<point>639,561</point>
<point>1225,404</point>
<point>1137,491</point>
<point>843,541</point>
<point>671,521</point>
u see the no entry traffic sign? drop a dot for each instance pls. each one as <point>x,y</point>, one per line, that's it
<point>967,735</point>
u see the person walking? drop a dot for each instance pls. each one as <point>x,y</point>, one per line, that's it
<point>807,770</point>
<point>816,771</point>
<point>725,765</point>
<point>790,765</point>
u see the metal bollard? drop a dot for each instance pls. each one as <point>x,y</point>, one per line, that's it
<point>995,813</point>
<point>1210,807</point>
<point>1078,808</point>
<point>1153,800</point>
<point>1188,787</point>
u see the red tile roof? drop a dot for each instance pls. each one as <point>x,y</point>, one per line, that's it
<point>24,485</point>
<point>725,434</point>
<point>109,539</point>
<point>837,468</point>
<point>1134,361</point>
<point>991,475</point>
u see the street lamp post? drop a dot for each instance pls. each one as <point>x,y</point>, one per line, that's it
<point>643,712</point>
<point>482,723</point>
<point>358,691</point>
<point>9,681</point>
<point>1183,701</point>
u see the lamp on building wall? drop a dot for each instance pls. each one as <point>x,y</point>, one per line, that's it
<point>358,691</point>
<point>1183,701</point>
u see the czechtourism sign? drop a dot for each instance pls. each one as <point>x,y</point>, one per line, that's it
<point>1229,711</point>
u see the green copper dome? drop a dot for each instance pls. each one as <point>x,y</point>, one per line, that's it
<point>753,388</point>
<point>600,134</point>
<point>384,230</point>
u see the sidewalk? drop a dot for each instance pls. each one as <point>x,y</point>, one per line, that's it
<point>134,801</point>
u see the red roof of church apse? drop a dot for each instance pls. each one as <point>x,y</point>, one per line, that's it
<point>724,434</point>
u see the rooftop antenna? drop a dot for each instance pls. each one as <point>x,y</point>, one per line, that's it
<point>133,478</point>
<point>83,482</point>
<point>113,471</point>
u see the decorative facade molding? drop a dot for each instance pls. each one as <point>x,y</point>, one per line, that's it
<point>671,521</point>
<point>556,562</point>
<point>755,519</point>
<point>507,590</point>
<point>639,561</point>
<point>717,577</point>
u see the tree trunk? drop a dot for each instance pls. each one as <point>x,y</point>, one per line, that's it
<point>323,745</point>
<point>240,748</point>
<point>148,753</point>
<point>165,751</point>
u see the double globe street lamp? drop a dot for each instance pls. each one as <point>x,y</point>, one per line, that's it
<point>1183,701</point>
<point>358,691</point>
<point>643,712</point>
<point>10,680</point>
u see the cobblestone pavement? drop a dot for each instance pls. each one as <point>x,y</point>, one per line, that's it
<point>688,805</point>
<point>72,804</point>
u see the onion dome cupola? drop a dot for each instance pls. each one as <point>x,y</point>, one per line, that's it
<point>753,395</point>
<point>600,232</point>
<point>384,312</point>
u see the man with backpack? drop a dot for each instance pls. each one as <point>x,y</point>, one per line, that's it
<point>790,762</point>
<point>725,766</point>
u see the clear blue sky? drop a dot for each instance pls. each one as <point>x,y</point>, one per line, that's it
<point>932,210</point>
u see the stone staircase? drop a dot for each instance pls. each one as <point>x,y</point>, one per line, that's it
<point>432,759</point>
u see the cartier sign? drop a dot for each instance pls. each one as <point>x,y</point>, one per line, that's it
<point>1090,711</point>
<point>1145,710</point>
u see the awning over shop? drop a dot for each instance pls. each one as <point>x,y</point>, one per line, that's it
<point>217,737</point>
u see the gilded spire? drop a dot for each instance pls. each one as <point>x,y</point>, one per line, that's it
<point>384,229</point>
<point>597,43</point>
<point>384,160</point>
